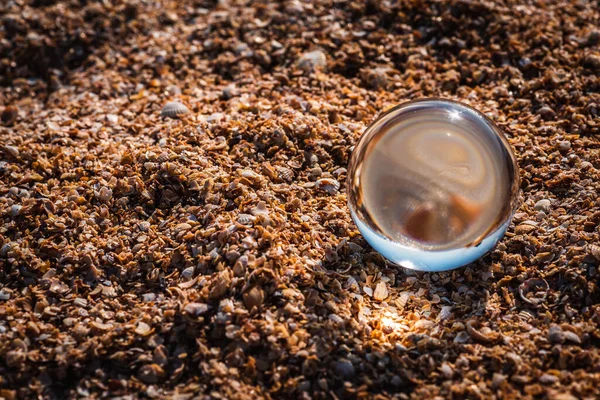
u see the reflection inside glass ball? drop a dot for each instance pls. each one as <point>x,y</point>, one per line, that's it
<point>432,184</point>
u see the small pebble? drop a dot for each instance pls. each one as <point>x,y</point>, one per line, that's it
<point>497,380</point>
<point>12,151</point>
<point>253,298</point>
<point>572,337</point>
<point>447,371</point>
<point>543,205</point>
<point>563,145</point>
<point>148,297</point>
<point>375,78</point>
<point>312,60</point>
<point>344,369</point>
<point>546,112</point>
<point>112,118</point>
<point>548,379</point>
<point>15,210</point>
<point>593,37</point>
<point>195,309</point>
<point>592,62</point>
<point>4,294</point>
<point>556,334</point>
<point>9,115</point>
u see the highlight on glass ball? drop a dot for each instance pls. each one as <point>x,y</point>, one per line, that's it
<point>432,185</point>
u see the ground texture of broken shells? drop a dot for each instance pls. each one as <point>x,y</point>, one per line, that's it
<point>212,254</point>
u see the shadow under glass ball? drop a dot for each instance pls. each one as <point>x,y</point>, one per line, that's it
<point>433,185</point>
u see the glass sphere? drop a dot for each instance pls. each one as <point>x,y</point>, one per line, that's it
<point>432,185</point>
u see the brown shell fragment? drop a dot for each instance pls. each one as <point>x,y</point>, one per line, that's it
<point>328,185</point>
<point>101,327</point>
<point>481,334</point>
<point>534,291</point>
<point>151,373</point>
<point>285,174</point>
<point>58,287</point>
<point>9,115</point>
<point>594,251</point>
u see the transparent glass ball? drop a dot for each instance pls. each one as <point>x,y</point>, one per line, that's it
<point>432,185</point>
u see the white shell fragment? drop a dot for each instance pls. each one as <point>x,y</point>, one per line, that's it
<point>174,109</point>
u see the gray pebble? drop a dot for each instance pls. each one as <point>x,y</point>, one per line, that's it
<point>312,60</point>
<point>571,337</point>
<point>344,369</point>
<point>556,334</point>
<point>563,145</point>
<point>546,112</point>
<point>15,210</point>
